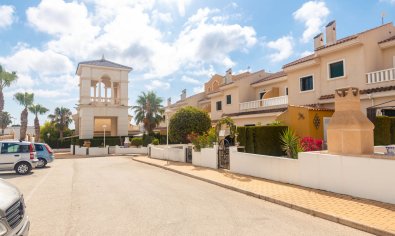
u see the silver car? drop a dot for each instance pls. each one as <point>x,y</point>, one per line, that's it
<point>13,218</point>
<point>18,156</point>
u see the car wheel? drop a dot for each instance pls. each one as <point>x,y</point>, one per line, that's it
<point>41,163</point>
<point>23,168</point>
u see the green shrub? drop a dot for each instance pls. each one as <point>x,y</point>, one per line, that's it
<point>392,130</point>
<point>155,141</point>
<point>267,140</point>
<point>250,139</point>
<point>290,143</point>
<point>136,142</point>
<point>382,130</point>
<point>186,121</point>
<point>205,140</point>
<point>241,137</point>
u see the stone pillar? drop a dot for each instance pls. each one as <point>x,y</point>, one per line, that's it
<point>99,90</point>
<point>112,93</point>
<point>349,130</point>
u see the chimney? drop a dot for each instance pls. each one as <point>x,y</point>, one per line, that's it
<point>331,33</point>
<point>318,41</point>
<point>183,94</point>
<point>169,101</point>
<point>228,76</point>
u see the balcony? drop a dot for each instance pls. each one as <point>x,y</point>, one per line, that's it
<point>264,103</point>
<point>380,76</point>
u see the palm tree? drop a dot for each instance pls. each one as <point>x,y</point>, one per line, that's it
<point>62,119</point>
<point>5,120</point>
<point>25,100</point>
<point>6,79</point>
<point>37,110</point>
<point>148,110</point>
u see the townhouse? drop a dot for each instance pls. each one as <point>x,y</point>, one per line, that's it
<point>302,94</point>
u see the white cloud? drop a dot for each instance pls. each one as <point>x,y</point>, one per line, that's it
<point>389,1</point>
<point>31,60</point>
<point>190,80</point>
<point>156,84</point>
<point>198,89</point>
<point>6,15</point>
<point>313,14</point>
<point>306,53</point>
<point>180,4</point>
<point>283,46</point>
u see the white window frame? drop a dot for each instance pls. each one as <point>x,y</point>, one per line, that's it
<point>286,87</point>
<point>329,71</point>
<point>307,91</point>
<point>226,99</point>
<point>216,107</point>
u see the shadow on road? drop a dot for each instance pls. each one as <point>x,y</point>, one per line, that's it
<point>12,175</point>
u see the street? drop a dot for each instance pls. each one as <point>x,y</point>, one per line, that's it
<point>118,196</point>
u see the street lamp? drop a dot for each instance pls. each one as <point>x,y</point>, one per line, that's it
<point>104,128</point>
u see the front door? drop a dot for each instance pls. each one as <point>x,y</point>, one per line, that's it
<point>326,123</point>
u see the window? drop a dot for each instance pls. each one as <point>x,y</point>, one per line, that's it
<point>24,148</point>
<point>10,148</point>
<point>336,69</point>
<point>286,90</point>
<point>228,99</point>
<point>39,147</point>
<point>261,94</point>
<point>306,83</point>
<point>219,105</point>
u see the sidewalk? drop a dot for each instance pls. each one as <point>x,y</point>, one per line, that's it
<point>370,216</point>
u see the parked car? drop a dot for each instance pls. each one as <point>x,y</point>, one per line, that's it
<point>45,154</point>
<point>13,217</point>
<point>18,156</point>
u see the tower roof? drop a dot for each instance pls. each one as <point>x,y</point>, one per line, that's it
<point>104,63</point>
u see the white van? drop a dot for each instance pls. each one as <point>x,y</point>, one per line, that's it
<point>17,155</point>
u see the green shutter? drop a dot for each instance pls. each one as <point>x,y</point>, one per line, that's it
<point>336,69</point>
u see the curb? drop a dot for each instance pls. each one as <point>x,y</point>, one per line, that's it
<point>315,213</point>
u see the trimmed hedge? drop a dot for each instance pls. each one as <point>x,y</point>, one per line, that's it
<point>382,130</point>
<point>250,140</point>
<point>267,140</point>
<point>264,140</point>
<point>392,130</point>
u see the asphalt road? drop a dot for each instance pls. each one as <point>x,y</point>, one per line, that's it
<point>118,196</point>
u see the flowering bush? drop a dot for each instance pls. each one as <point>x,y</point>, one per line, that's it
<point>203,141</point>
<point>310,144</point>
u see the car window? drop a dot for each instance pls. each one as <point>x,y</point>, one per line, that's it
<point>24,148</point>
<point>39,147</point>
<point>10,148</point>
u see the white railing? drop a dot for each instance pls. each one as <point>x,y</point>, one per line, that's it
<point>276,101</point>
<point>380,76</point>
<point>102,100</point>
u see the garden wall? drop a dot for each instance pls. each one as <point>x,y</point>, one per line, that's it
<point>207,157</point>
<point>130,150</point>
<point>364,177</point>
<point>171,152</point>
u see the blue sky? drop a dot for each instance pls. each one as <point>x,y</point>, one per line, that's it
<point>171,44</point>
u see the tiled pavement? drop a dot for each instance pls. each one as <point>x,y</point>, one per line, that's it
<point>370,216</point>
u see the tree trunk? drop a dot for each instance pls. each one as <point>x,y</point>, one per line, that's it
<point>24,115</point>
<point>60,134</point>
<point>37,129</point>
<point>1,100</point>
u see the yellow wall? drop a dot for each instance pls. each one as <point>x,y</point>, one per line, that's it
<point>300,119</point>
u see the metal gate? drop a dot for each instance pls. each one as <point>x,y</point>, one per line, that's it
<point>188,154</point>
<point>223,154</point>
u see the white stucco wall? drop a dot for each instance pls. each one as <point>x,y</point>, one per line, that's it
<point>131,150</point>
<point>207,157</point>
<point>172,153</point>
<point>369,178</point>
<point>80,150</point>
<point>98,151</point>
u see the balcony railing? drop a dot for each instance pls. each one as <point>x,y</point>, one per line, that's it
<point>380,76</point>
<point>276,101</point>
<point>105,100</point>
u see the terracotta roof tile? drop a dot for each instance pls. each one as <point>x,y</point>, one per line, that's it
<point>300,60</point>
<point>388,39</point>
<point>271,76</point>
<point>363,91</point>
<point>339,41</point>
<point>313,107</point>
<point>256,112</point>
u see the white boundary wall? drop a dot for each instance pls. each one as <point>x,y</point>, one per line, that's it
<point>131,150</point>
<point>370,178</point>
<point>98,151</point>
<point>80,151</point>
<point>207,157</point>
<point>171,152</point>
